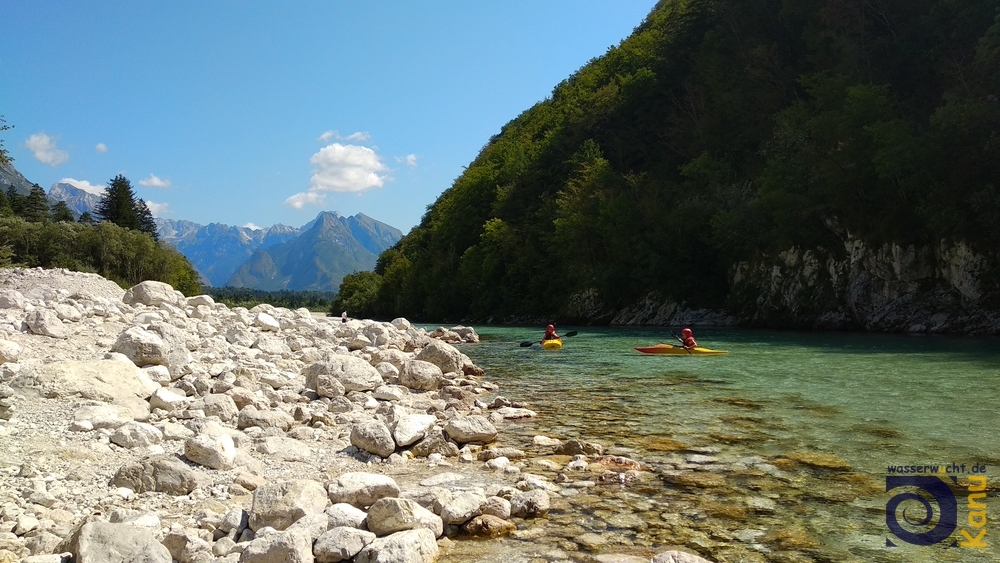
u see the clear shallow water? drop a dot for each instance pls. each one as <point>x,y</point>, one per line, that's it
<point>869,400</point>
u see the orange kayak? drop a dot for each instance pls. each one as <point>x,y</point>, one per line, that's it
<point>680,351</point>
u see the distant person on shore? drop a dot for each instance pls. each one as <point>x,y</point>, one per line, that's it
<point>550,333</point>
<point>343,317</point>
<point>687,339</point>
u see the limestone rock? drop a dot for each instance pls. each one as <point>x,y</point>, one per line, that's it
<point>9,351</point>
<point>473,428</point>
<point>411,428</point>
<point>46,323</point>
<point>102,380</point>
<point>153,293</point>
<point>488,526</point>
<point>136,435</point>
<point>343,514</point>
<point>341,544</point>
<point>362,489</point>
<point>443,355</point>
<point>409,546</point>
<point>143,347</point>
<point>530,504</point>
<point>462,508</point>
<point>674,556</point>
<point>374,437</point>
<point>420,375</point>
<point>292,546</point>
<point>161,473</point>
<point>102,542</point>
<point>353,373</point>
<point>390,515</point>
<point>217,452</point>
<point>279,505</point>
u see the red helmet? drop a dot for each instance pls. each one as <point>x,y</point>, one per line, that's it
<point>550,327</point>
<point>686,332</point>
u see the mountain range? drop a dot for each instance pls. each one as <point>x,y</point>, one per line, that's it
<point>315,256</point>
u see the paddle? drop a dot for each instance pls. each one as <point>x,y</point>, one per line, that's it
<point>681,340</point>
<point>567,335</point>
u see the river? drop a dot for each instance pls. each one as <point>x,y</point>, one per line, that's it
<point>777,451</point>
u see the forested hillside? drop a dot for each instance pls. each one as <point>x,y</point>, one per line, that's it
<point>720,132</point>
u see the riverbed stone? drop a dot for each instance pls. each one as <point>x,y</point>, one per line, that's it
<point>362,489</point>
<point>443,355</point>
<point>420,375</point>
<point>389,515</point>
<point>103,542</point>
<point>488,526</point>
<point>409,546</point>
<point>279,505</point>
<point>160,473</point>
<point>471,429</point>
<point>411,428</point>
<point>374,437</point>
<point>136,435</point>
<point>46,323</point>
<point>341,544</point>
<point>287,546</point>
<point>530,504</point>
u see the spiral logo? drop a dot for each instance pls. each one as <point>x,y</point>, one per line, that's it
<point>916,509</point>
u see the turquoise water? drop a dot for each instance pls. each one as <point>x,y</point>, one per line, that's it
<point>865,401</point>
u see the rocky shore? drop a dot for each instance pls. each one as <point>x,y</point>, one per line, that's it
<point>141,425</point>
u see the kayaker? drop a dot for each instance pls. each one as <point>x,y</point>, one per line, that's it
<point>550,333</point>
<point>687,339</point>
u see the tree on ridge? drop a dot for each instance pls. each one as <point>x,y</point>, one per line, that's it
<point>119,205</point>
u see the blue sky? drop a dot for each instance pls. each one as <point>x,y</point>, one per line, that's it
<point>269,112</point>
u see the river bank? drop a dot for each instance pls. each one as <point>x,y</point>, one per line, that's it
<point>143,420</point>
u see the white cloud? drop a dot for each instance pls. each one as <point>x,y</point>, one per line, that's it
<point>84,185</point>
<point>101,147</point>
<point>158,209</point>
<point>45,150</point>
<point>302,199</point>
<point>154,181</point>
<point>346,168</point>
<point>410,160</point>
<point>358,136</point>
<point>253,227</point>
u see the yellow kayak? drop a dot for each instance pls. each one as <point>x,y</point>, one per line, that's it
<point>553,344</point>
<point>679,350</point>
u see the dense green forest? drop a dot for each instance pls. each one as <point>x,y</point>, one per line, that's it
<point>718,131</point>
<point>122,247</point>
<point>318,301</point>
<point>124,256</point>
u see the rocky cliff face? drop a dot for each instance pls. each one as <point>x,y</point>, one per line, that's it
<point>942,288</point>
<point>653,309</point>
<point>945,288</point>
<point>78,201</point>
<point>9,177</point>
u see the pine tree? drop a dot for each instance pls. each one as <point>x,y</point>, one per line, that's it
<point>5,157</point>
<point>16,201</point>
<point>86,218</point>
<point>145,219</point>
<point>118,204</point>
<point>36,206</point>
<point>61,212</point>
<point>5,209</point>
